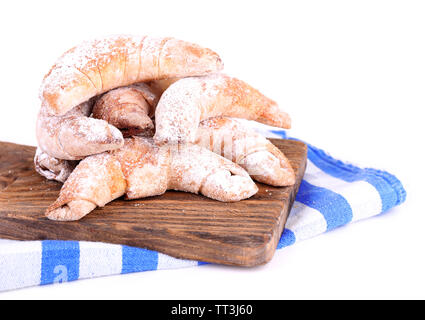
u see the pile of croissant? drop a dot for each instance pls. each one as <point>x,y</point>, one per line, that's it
<point>136,116</point>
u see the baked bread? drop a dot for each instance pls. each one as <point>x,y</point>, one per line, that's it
<point>235,141</point>
<point>127,83</point>
<point>190,100</point>
<point>74,135</point>
<point>97,66</point>
<point>225,136</point>
<point>128,108</point>
<point>142,169</point>
<point>52,168</point>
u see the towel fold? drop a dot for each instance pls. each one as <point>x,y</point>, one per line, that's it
<point>331,194</point>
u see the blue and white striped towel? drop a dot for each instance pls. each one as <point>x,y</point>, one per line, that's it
<point>332,194</point>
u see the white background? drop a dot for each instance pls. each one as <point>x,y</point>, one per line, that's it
<point>350,73</point>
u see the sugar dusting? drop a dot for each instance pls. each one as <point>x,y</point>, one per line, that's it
<point>143,166</point>
<point>196,169</point>
<point>188,101</point>
<point>52,168</point>
<point>235,141</point>
<point>182,106</point>
<point>95,66</point>
<point>86,55</point>
<point>63,136</point>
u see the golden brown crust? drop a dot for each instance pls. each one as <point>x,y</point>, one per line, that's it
<point>96,181</point>
<point>74,135</point>
<point>128,108</point>
<point>142,169</point>
<point>96,66</point>
<point>233,140</point>
<point>225,136</point>
<point>190,100</point>
<point>52,168</point>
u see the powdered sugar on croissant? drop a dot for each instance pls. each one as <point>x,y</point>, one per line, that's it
<point>190,118</point>
<point>258,156</point>
<point>96,66</point>
<point>141,169</point>
<point>52,168</point>
<point>96,180</point>
<point>227,137</point>
<point>190,100</point>
<point>74,135</point>
<point>128,108</point>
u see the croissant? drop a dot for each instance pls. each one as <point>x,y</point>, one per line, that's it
<point>190,100</point>
<point>53,168</point>
<point>74,135</point>
<point>258,156</point>
<point>97,66</point>
<point>128,108</point>
<point>141,169</point>
<point>229,138</point>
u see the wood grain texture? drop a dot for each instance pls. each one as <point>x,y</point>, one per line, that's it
<point>179,224</point>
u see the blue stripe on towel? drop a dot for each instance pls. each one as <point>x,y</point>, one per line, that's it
<point>319,209</point>
<point>280,133</point>
<point>334,207</point>
<point>386,184</point>
<point>60,261</point>
<point>287,238</point>
<point>135,259</point>
<point>394,194</point>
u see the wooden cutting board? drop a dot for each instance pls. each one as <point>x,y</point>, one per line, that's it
<point>179,224</point>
